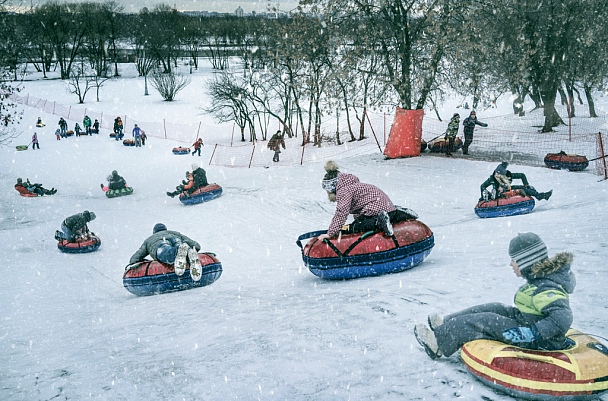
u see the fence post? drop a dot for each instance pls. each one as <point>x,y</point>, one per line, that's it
<point>252,152</point>
<point>100,121</point>
<point>213,153</point>
<point>232,139</point>
<point>69,111</point>
<point>27,99</point>
<point>302,158</point>
<point>199,131</point>
<point>54,103</point>
<point>603,156</point>
<point>165,128</point>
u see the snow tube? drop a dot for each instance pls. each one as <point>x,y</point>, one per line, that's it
<point>203,194</point>
<point>367,254</point>
<point>128,142</point>
<point>441,145</point>
<point>113,193</point>
<point>578,373</point>
<point>564,161</point>
<point>40,125</point>
<point>181,151</point>
<point>69,132</point>
<point>153,277</point>
<point>405,134</point>
<point>511,205</point>
<point>24,192</point>
<point>22,147</point>
<point>80,246</point>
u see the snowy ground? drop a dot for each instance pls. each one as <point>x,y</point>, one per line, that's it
<point>267,329</point>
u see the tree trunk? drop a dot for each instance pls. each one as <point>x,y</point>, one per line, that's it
<point>590,100</point>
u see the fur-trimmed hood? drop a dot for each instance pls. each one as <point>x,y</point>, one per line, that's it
<point>556,269</point>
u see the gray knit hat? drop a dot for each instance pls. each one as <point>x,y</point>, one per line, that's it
<point>526,250</point>
<point>502,168</point>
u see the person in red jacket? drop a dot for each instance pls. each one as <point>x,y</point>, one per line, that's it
<point>197,146</point>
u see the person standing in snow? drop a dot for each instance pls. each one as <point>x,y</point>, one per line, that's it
<point>451,132</point>
<point>96,127</point>
<point>35,141</point>
<point>172,248</point>
<point>143,137</point>
<point>501,181</point>
<point>197,145</point>
<point>275,143</point>
<point>86,123</point>
<point>75,227</point>
<point>78,130</point>
<point>369,205</point>
<point>63,127</point>
<point>137,135</point>
<point>58,134</point>
<point>469,125</point>
<point>539,320</point>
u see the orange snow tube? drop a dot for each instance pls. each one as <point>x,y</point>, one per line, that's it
<point>405,135</point>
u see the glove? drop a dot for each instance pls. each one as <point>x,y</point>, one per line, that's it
<point>518,335</point>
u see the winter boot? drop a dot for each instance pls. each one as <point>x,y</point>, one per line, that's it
<point>58,236</point>
<point>196,270</point>
<point>411,215</point>
<point>384,223</point>
<point>180,259</point>
<point>546,195</point>
<point>435,320</point>
<point>426,338</point>
<point>171,194</point>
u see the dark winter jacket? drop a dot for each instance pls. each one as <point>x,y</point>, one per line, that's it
<point>357,198</point>
<point>543,302</point>
<point>469,124</point>
<point>151,244</point>
<point>276,141</point>
<point>63,123</point>
<point>115,181</point>
<point>76,222</point>
<point>200,178</point>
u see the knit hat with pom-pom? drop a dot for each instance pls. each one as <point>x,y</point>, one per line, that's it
<point>330,180</point>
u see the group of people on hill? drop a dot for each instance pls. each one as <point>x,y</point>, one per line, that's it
<point>90,127</point>
<point>33,188</point>
<point>469,124</point>
<point>541,316</point>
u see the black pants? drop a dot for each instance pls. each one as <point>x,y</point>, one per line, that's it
<point>369,223</point>
<point>450,148</point>
<point>468,140</point>
<point>197,150</point>
<point>34,145</point>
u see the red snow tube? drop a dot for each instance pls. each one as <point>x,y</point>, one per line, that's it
<point>24,192</point>
<point>511,204</point>
<point>405,135</point>
<point>80,246</point>
<point>153,277</point>
<point>181,151</point>
<point>562,160</point>
<point>441,145</point>
<point>368,254</point>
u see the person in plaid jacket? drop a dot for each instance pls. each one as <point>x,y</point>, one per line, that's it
<point>369,205</point>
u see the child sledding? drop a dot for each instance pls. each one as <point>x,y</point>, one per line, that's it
<point>117,186</point>
<point>196,189</point>
<point>75,236</point>
<point>383,238</point>
<point>29,189</point>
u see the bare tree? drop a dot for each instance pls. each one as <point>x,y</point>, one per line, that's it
<point>169,84</point>
<point>80,83</point>
<point>9,116</point>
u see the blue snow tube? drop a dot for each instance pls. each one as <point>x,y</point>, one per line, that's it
<point>502,207</point>
<point>203,194</point>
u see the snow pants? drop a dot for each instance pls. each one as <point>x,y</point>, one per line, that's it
<point>167,251</point>
<point>487,321</point>
<point>529,190</point>
<point>468,140</point>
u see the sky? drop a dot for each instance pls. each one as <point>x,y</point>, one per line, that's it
<point>224,6</point>
<point>267,329</point>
